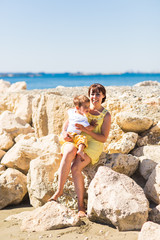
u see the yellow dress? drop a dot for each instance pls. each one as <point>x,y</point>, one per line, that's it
<point>94,148</point>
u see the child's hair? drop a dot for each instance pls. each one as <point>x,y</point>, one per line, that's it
<point>97,87</point>
<point>80,100</point>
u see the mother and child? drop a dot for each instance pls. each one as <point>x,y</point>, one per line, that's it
<point>84,133</point>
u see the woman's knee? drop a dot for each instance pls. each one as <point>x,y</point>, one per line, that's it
<point>70,152</point>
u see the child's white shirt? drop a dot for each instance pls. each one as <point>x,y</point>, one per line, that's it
<point>74,118</point>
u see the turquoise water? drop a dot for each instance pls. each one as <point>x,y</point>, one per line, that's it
<point>68,80</point>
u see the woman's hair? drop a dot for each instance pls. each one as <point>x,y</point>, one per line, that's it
<point>80,100</point>
<point>96,87</point>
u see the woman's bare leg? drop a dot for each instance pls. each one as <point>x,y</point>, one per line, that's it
<point>69,154</point>
<point>77,167</point>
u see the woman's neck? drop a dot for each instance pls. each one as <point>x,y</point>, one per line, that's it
<point>96,108</point>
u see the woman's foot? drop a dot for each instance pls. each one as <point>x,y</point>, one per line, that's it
<point>55,197</point>
<point>82,212</point>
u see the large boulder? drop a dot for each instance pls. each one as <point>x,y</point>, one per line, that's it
<point>149,231</point>
<point>125,144</point>
<point>6,141</point>
<point>13,187</point>
<point>114,198</point>
<point>14,125</point>
<point>149,157</point>
<point>152,187</point>
<point>40,178</point>
<point>20,155</point>
<point>4,85</point>
<point>51,216</point>
<point>131,122</point>
<point>49,112</point>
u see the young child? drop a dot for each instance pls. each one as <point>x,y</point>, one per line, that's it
<point>78,115</point>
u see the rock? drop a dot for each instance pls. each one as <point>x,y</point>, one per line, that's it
<point>2,169</point>
<point>2,153</point>
<point>49,112</point>
<point>18,217</point>
<point>40,178</point>
<point>13,187</point>
<point>4,85</point>
<point>149,231</point>
<point>18,86</point>
<point>147,83</point>
<point>156,128</point>
<point>114,198</point>
<point>6,141</point>
<point>149,158</point>
<point>14,125</point>
<point>146,166</point>
<point>154,214</point>
<point>51,216</point>
<point>20,155</point>
<point>122,163</point>
<point>152,187</point>
<point>131,122</point>
<point>125,144</point>
<point>23,107</point>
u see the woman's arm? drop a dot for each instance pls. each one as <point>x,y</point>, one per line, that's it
<point>101,137</point>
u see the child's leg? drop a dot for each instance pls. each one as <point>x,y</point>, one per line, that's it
<point>80,150</point>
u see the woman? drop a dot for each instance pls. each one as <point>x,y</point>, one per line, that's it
<point>96,138</point>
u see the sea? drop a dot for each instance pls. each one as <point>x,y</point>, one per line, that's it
<point>45,81</point>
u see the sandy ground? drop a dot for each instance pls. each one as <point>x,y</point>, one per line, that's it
<point>11,230</point>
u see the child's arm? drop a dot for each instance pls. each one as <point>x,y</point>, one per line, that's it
<point>64,131</point>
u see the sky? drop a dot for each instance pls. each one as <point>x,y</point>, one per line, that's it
<point>90,36</point>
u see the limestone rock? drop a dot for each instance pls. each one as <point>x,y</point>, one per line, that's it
<point>49,112</point>
<point>6,141</point>
<point>149,157</point>
<point>146,166</point>
<point>152,187</point>
<point>125,144</point>
<point>18,86</point>
<point>20,155</point>
<point>131,122</point>
<point>156,128</point>
<point>14,125</point>
<point>149,231</point>
<point>117,199</point>
<point>2,169</point>
<point>51,216</point>
<point>13,187</point>
<point>23,107</point>
<point>154,214</point>
<point>2,153</point>
<point>147,83</point>
<point>4,85</point>
<point>122,163</point>
<point>40,178</point>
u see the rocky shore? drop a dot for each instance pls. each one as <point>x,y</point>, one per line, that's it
<point>122,189</point>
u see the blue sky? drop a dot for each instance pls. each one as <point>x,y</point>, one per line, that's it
<point>91,36</point>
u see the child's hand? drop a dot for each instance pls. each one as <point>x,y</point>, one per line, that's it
<point>67,137</point>
<point>79,127</point>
